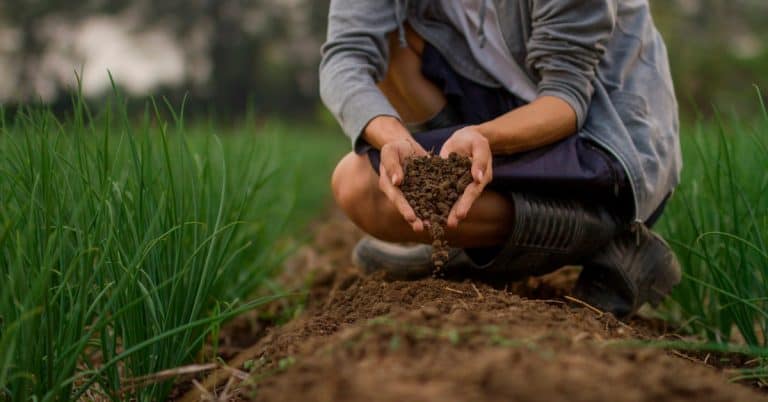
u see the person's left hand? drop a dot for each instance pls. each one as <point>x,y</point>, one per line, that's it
<point>470,143</point>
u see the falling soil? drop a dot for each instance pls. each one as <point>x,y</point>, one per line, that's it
<point>432,185</point>
<point>434,340</point>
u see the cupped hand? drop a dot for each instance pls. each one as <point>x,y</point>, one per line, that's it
<point>470,143</point>
<point>393,156</point>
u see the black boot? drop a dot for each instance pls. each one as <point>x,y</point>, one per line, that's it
<point>550,233</point>
<point>636,267</point>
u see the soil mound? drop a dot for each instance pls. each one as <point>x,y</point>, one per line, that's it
<point>436,340</point>
<point>366,339</point>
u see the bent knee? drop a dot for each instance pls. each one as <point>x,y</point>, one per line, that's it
<point>356,192</point>
<point>350,182</point>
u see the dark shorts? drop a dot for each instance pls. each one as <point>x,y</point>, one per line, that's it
<point>573,168</point>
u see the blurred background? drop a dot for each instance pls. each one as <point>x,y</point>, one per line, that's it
<point>232,56</point>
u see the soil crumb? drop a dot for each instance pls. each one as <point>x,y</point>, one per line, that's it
<point>431,186</point>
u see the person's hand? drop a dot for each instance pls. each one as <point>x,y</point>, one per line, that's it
<point>393,156</point>
<point>470,143</point>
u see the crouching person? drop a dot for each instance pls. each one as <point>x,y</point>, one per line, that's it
<point>566,109</point>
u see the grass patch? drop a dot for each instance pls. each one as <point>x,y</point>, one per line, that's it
<point>717,223</point>
<point>124,245</point>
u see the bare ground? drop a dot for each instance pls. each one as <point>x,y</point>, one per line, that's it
<point>366,339</point>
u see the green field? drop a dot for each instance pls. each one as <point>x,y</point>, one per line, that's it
<point>125,243</point>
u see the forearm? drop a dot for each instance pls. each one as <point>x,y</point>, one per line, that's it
<point>546,120</point>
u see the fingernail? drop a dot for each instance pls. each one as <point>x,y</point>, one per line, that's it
<point>480,176</point>
<point>394,179</point>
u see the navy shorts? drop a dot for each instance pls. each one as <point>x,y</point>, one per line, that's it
<point>573,168</point>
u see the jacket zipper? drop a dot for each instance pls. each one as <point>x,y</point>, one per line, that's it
<point>611,168</point>
<point>635,219</point>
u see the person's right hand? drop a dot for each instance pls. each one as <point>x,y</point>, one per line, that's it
<point>391,174</point>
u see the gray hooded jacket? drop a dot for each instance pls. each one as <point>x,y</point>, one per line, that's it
<point>604,57</point>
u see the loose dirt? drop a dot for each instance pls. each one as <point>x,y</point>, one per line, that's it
<point>432,185</point>
<point>366,339</point>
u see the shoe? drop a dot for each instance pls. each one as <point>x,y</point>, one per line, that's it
<point>402,262</point>
<point>636,267</point>
<point>549,233</point>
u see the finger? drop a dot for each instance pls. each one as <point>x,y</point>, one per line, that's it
<point>418,150</point>
<point>391,163</point>
<point>449,148</point>
<point>445,151</point>
<point>461,209</point>
<point>488,174</point>
<point>481,158</point>
<point>396,197</point>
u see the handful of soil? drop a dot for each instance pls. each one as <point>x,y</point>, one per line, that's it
<point>431,186</point>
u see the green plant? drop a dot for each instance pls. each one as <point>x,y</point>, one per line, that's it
<point>718,224</point>
<point>123,245</point>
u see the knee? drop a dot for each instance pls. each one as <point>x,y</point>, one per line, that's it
<point>348,182</point>
<point>355,190</point>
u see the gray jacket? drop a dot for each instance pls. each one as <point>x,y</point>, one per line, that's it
<point>604,57</point>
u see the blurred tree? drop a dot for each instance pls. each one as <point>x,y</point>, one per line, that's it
<point>25,17</point>
<point>717,51</point>
<point>259,52</point>
<point>264,53</point>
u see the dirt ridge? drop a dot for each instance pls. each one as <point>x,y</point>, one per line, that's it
<point>366,339</point>
<point>436,340</point>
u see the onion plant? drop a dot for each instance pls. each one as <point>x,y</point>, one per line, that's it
<point>718,224</point>
<point>123,246</point>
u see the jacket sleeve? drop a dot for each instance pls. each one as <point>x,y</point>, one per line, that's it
<point>354,58</point>
<point>567,40</point>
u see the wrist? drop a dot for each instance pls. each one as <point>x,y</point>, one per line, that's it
<point>384,129</point>
<point>487,131</point>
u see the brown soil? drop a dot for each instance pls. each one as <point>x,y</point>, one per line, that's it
<point>432,185</point>
<point>366,339</point>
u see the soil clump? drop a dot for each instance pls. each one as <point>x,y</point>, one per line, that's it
<point>431,186</point>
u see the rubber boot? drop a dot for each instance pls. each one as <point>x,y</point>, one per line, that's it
<point>549,233</point>
<point>636,267</point>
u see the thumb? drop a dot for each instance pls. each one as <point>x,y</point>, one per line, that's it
<point>418,150</point>
<point>391,165</point>
<point>481,159</point>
